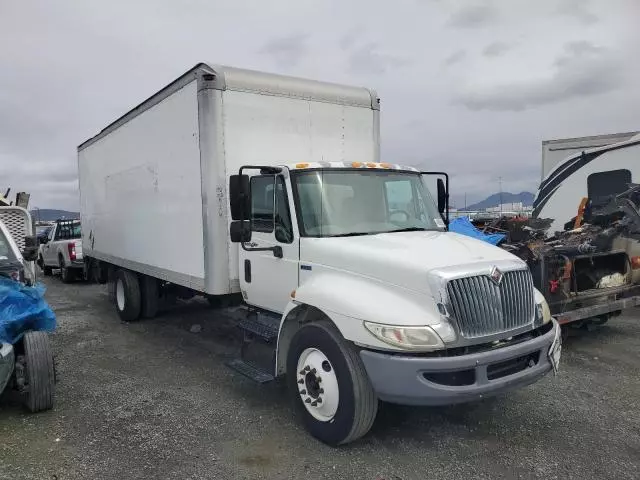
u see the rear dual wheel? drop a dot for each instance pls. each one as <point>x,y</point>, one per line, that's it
<point>136,295</point>
<point>329,385</point>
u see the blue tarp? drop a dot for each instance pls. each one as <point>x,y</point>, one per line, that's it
<point>464,226</point>
<point>23,308</point>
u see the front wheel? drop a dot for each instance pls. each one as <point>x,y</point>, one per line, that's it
<point>329,385</point>
<point>38,370</point>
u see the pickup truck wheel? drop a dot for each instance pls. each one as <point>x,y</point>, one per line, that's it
<point>128,298</point>
<point>39,371</point>
<point>47,271</point>
<point>329,385</point>
<point>66,274</point>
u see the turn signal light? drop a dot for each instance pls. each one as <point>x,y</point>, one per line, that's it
<point>356,164</point>
<point>72,250</point>
<point>302,165</point>
<point>635,263</point>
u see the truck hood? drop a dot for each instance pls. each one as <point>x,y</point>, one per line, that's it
<point>401,258</point>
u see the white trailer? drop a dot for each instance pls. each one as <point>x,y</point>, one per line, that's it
<point>268,192</point>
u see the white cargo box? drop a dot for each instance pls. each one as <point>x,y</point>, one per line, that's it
<point>153,183</point>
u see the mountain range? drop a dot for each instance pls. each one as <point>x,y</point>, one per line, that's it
<point>505,197</point>
<point>50,214</point>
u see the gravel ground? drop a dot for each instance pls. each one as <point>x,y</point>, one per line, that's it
<point>154,400</point>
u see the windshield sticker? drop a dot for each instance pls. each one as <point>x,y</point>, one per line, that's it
<point>439,223</point>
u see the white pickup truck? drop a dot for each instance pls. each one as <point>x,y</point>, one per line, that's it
<point>341,265</point>
<point>62,250</point>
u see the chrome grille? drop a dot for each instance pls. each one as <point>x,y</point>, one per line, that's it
<point>483,308</point>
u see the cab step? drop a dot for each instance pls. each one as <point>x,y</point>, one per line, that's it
<point>260,324</point>
<point>250,370</point>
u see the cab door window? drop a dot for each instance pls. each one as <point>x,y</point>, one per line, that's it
<point>269,212</point>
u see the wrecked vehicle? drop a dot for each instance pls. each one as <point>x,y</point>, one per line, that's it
<point>26,355</point>
<point>582,272</point>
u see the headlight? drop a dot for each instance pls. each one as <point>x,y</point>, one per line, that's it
<point>543,314</point>
<point>413,338</point>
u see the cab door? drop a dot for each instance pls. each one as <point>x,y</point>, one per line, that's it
<point>267,277</point>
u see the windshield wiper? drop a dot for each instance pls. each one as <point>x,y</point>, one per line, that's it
<point>352,234</point>
<point>408,229</point>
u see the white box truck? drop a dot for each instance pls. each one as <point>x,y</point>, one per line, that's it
<point>267,192</point>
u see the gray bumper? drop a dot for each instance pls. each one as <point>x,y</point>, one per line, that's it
<point>401,379</point>
<point>6,364</point>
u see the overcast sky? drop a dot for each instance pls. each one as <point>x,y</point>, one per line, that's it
<point>472,87</point>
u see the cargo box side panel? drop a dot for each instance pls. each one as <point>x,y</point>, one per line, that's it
<point>263,129</point>
<point>141,203</point>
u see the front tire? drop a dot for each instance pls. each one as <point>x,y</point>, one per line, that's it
<point>66,274</point>
<point>329,385</point>
<point>40,371</point>
<point>47,271</point>
<point>127,295</point>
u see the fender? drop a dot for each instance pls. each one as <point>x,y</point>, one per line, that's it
<point>348,300</point>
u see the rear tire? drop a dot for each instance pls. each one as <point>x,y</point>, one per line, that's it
<point>127,293</point>
<point>150,294</point>
<point>357,404</point>
<point>40,371</point>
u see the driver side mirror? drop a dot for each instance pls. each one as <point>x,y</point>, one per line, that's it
<point>240,231</point>
<point>239,197</point>
<point>30,252</point>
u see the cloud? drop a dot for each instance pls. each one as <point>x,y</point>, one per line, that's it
<point>583,70</point>
<point>455,57</point>
<point>579,10</point>
<point>349,39</point>
<point>473,16</point>
<point>367,59</point>
<point>287,51</point>
<point>496,49</point>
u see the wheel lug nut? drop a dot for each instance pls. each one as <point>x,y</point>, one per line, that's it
<point>319,400</point>
<point>307,368</point>
<point>321,391</point>
<point>301,372</point>
<point>301,381</point>
<point>313,370</point>
<point>314,404</point>
<point>308,400</point>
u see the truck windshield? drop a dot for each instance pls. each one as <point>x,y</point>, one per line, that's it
<point>333,203</point>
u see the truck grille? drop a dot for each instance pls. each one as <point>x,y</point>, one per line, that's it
<point>483,308</point>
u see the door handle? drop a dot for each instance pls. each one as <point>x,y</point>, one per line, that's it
<point>247,271</point>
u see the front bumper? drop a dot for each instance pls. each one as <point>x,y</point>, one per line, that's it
<point>414,380</point>
<point>7,361</point>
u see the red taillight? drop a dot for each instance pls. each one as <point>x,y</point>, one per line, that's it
<point>72,251</point>
<point>635,263</point>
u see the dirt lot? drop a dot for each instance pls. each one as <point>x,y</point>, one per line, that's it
<point>154,400</point>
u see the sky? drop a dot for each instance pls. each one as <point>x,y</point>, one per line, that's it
<point>470,87</point>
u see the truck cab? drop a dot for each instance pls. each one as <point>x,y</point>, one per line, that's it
<point>375,300</point>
